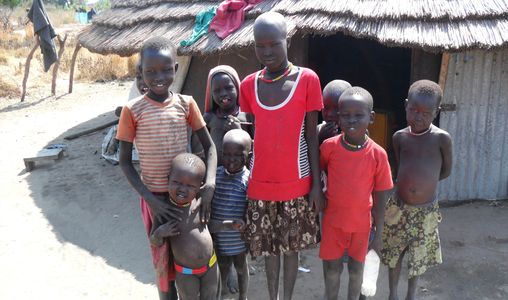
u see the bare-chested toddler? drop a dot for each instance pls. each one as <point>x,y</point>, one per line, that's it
<point>424,157</point>
<point>195,261</point>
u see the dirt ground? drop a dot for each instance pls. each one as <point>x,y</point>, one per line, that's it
<point>71,229</point>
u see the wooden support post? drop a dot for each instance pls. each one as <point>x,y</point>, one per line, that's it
<point>57,63</point>
<point>443,72</point>
<point>27,67</point>
<point>73,63</point>
<point>91,130</point>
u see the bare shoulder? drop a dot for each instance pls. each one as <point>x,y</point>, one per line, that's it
<point>208,117</point>
<point>443,135</point>
<point>398,135</point>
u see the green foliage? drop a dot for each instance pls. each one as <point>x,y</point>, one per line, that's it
<point>10,3</point>
<point>102,5</point>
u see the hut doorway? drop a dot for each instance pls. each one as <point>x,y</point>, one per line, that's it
<point>385,72</point>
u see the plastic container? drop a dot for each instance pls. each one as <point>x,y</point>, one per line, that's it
<point>370,273</point>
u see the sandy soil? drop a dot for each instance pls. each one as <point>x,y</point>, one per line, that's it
<point>71,229</point>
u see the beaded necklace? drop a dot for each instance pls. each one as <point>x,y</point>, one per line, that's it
<point>286,73</point>
<point>421,133</point>
<point>178,204</point>
<point>355,146</point>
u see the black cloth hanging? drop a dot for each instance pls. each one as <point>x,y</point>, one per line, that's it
<point>44,31</point>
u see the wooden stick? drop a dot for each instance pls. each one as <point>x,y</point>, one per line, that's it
<point>443,72</point>
<point>73,63</point>
<point>90,130</point>
<point>57,63</point>
<point>27,67</point>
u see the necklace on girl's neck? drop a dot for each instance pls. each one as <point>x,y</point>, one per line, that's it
<point>286,72</point>
<point>178,204</point>
<point>355,146</point>
<point>421,133</point>
<point>224,115</point>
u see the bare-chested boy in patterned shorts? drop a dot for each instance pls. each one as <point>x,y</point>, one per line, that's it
<point>424,156</point>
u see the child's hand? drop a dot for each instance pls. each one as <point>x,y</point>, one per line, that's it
<point>317,199</point>
<point>205,203</point>
<point>328,130</point>
<point>162,210</point>
<point>232,122</point>
<point>167,230</point>
<point>377,244</point>
<point>238,225</point>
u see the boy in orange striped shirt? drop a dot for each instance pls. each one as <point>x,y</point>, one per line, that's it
<point>157,122</point>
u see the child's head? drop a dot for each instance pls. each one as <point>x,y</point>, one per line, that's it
<point>158,65</point>
<point>222,89</point>
<point>187,173</point>
<point>140,83</point>
<point>355,111</point>
<point>422,104</point>
<point>331,95</point>
<point>235,150</point>
<point>270,33</point>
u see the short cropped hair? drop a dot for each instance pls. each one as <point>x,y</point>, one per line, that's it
<point>158,43</point>
<point>238,136</point>
<point>356,90</point>
<point>272,18</point>
<point>335,88</point>
<point>189,160</point>
<point>426,88</point>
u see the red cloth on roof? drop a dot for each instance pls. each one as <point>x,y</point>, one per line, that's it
<point>230,16</point>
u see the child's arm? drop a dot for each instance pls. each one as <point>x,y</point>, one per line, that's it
<point>326,131</point>
<point>378,212</point>
<point>208,188</point>
<point>396,152</point>
<point>446,153</point>
<point>217,226</point>
<point>160,208</point>
<point>316,193</point>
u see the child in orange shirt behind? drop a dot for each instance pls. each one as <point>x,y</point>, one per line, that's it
<point>358,181</point>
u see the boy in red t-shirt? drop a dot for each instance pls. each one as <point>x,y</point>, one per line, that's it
<point>358,182</point>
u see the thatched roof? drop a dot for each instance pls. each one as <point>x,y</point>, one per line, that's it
<point>432,25</point>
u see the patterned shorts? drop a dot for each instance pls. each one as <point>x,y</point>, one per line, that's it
<point>414,228</point>
<point>276,227</point>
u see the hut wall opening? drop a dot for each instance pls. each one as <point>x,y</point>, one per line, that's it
<point>384,71</point>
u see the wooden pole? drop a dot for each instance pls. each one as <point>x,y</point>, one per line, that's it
<point>91,130</point>
<point>73,63</point>
<point>445,60</point>
<point>57,63</point>
<point>27,67</point>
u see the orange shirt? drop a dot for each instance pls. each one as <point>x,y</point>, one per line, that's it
<point>352,177</point>
<point>159,131</point>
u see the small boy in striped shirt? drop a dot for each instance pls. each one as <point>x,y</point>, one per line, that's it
<point>229,203</point>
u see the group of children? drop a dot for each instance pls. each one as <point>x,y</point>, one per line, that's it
<point>265,198</point>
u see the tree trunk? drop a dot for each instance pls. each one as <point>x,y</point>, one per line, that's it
<point>27,67</point>
<point>73,63</point>
<point>57,63</point>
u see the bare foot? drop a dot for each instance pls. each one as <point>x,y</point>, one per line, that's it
<point>393,297</point>
<point>232,282</point>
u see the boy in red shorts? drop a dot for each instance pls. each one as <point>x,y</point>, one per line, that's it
<point>358,181</point>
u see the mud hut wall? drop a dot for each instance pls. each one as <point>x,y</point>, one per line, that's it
<point>425,65</point>
<point>477,83</point>
<point>244,61</point>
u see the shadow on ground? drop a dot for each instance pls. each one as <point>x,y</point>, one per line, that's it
<point>89,203</point>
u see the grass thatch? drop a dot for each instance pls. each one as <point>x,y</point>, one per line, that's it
<point>433,25</point>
